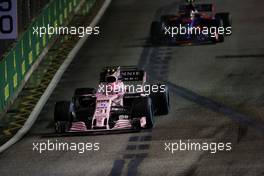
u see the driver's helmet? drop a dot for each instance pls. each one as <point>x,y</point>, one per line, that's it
<point>113,83</point>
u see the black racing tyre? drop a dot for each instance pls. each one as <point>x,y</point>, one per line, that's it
<point>142,107</point>
<point>165,18</point>
<point>226,17</point>
<point>84,102</point>
<point>84,91</point>
<point>161,100</point>
<point>136,123</point>
<point>62,126</point>
<point>62,111</point>
<point>221,38</point>
<point>156,32</point>
<point>62,116</point>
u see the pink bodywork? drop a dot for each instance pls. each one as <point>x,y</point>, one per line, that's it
<point>104,102</point>
<point>103,108</point>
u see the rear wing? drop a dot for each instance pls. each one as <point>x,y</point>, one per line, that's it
<point>199,7</point>
<point>127,73</point>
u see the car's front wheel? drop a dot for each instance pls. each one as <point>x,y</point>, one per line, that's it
<point>62,116</point>
<point>62,126</point>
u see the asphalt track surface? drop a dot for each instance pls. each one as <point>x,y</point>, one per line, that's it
<point>216,96</point>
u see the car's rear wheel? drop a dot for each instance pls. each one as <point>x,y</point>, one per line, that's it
<point>161,101</point>
<point>166,18</point>
<point>142,107</point>
<point>219,37</point>
<point>84,91</point>
<point>62,116</point>
<point>226,17</point>
<point>84,101</point>
<point>156,32</point>
<point>136,123</point>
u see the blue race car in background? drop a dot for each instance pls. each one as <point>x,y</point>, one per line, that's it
<point>194,24</point>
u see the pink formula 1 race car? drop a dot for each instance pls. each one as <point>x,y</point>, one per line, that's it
<point>123,100</point>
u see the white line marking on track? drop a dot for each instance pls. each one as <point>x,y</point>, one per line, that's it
<point>44,98</point>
